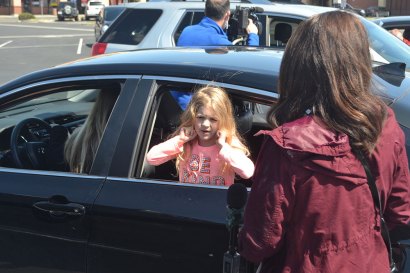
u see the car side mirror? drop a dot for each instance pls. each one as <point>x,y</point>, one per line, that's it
<point>393,73</point>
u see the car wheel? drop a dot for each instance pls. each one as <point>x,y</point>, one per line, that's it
<point>60,18</point>
<point>76,18</point>
<point>87,18</point>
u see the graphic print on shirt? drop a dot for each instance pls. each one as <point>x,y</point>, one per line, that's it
<point>198,172</point>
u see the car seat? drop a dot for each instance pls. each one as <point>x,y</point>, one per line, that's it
<point>283,31</point>
<point>243,115</point>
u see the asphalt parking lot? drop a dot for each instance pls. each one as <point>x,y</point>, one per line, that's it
<point>27,46</point>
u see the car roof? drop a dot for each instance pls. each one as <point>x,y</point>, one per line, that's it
<point>252,67</point>
<point>115,7</point>
<point>291,9</point>
<point>392,20</point>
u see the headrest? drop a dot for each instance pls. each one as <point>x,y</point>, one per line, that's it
<point>283,31</point>
<point>243,115</point>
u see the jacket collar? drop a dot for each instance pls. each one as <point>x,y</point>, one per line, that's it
<point>208,22</point>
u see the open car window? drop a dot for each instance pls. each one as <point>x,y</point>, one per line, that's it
<point>250,117</point>
<point>55,127</point>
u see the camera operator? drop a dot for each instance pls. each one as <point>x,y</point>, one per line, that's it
<point>211,30</point>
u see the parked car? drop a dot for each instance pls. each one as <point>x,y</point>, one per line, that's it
<point>159,24</point>
<point>124,215</point>
<point>402,23</point>
<point>67,10</point>
<point>349,7</point>
<point>399,22</point>
<point>106,16</point>
<point>375,11</point>
<point>93,8</point>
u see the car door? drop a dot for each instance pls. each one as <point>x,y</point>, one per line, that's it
<point>46,213</point>
<point>145,221</point>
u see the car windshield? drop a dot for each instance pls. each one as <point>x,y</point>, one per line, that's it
<point>388,48</point>
<point>111,14</point>
<point>68,95</point>
<point>96,4</point>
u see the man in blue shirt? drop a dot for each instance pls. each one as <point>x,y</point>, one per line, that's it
<point>210,31</point>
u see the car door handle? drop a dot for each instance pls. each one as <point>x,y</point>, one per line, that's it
<point>56,209</point>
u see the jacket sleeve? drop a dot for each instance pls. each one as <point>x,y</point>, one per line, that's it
<point>269,205</point>
<point>241,164</point>
<point>397,210</point>
<point>253,39</point>
<point>165,151</point>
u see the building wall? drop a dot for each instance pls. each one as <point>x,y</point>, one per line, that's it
<point>363,4</point>
<point>399,7</point>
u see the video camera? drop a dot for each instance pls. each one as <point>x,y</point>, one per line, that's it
<point>239,22</point>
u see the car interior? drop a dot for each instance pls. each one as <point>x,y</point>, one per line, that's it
<point>34,128</point>
<point>280,31</point>
<point>250,117</point>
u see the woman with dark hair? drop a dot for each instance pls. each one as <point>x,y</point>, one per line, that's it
<point>310,208</point>
<point>406,36</point>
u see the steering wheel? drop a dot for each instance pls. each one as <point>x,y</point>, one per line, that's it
<point>32,152</point>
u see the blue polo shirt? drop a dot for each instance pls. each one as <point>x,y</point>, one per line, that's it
<point>209,33</point>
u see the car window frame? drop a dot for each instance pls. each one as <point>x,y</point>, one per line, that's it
<point>137,163</point>
<point>103,158</point>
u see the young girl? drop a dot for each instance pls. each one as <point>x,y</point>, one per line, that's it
<point>207,146</point>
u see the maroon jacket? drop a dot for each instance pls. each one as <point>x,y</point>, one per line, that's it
<point>310,208</point>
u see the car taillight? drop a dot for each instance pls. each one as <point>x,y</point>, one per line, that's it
<point>98,48</point>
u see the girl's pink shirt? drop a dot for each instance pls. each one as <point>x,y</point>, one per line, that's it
<point>206,165</point>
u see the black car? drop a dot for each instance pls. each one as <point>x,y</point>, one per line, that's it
<point>124,215</point>
<point>67,10</point>
<point>376,11</point>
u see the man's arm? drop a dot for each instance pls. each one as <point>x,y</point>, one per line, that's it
<point>252,30</point>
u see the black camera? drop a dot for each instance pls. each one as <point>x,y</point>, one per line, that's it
<point>239,22</point>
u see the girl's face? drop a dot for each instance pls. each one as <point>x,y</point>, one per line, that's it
<point>206,126</point>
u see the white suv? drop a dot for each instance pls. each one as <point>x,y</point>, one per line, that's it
<point>159,24</point>
<point>93,9</point>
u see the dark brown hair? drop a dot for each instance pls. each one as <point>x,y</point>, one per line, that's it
<point>216,9</point>
<point>326,68</point>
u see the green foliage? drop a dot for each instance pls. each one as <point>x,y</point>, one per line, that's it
<point>26,16</point>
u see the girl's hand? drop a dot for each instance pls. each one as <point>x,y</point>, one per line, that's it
<point>221,138</point>
<point>187,134</point>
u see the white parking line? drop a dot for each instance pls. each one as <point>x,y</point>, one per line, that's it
<point>30,26</point>
<point>80,45</point>
<point>39,46</point>
<point>46,36</point>
<point>6,43</point>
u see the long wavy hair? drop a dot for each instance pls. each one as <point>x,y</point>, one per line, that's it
<point>327,69</point>
<point>219,101</point>
<point>81,146</point>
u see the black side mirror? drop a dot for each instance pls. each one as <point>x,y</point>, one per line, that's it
<point>393,73</point>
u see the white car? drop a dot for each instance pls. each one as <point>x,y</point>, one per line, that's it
<point>159,24</point>
<point>93,9</point>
